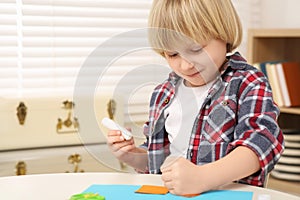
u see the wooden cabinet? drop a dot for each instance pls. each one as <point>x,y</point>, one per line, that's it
<point>266,45</point>
<point>272,45</point>
<point>61,160</point>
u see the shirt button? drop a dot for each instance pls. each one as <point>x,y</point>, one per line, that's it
<point>224,103</point>
<point>166,101</point>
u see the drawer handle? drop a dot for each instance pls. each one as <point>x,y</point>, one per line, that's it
<point>21,113</point>
<point>75,159</point>
<point>21,168</point>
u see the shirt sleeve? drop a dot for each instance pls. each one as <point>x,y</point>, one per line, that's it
<point>257,126</point>
<point>146,133</point>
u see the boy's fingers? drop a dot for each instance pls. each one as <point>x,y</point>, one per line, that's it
<point>167,163</point>
<point>114,133</point>
<point>114,139</point>
<point>120,144</point>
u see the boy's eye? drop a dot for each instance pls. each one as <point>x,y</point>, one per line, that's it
<point>196,50</point>
<point>172,55</point>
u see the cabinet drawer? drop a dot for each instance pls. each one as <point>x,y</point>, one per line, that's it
<point>56,160</point>
<point>49,122</point>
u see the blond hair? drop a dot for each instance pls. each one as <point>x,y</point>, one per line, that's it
<point>200,20</point>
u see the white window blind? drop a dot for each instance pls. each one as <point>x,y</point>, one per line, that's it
<point>58,35</point>
<point>9,76</point>
<point>44,43</point>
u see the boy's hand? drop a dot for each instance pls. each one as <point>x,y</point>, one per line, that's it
<point>126,151</point>
<point>182,177</point>
<point>118,145</point>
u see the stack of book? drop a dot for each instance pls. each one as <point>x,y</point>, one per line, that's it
<point>284,78</point>
<point>288,166</point>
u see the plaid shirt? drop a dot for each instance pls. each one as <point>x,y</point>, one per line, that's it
<point>238,111</point>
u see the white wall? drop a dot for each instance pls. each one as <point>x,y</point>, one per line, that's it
<point>249,12</point>
<point>267,14</point>
<point>280,14</point>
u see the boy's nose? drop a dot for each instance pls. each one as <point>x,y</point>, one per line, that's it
<point>186,65</point>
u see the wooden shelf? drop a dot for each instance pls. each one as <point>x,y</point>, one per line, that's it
<point>273,45</point>
<point>294,110</point>
<point>284,186</point>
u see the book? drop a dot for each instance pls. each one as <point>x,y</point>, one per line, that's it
<point>273,77</point>
<point>263,66</point>
<point>289,79</point>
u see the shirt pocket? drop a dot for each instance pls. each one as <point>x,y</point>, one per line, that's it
<point>220,121</point>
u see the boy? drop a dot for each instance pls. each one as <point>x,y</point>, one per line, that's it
<point>214,116</point>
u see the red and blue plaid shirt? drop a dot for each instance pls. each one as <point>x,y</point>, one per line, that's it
<point>238,111</point>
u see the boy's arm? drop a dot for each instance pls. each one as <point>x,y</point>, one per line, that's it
<point>182,177</point>
<point>138,159</point>
<point>239,163</point>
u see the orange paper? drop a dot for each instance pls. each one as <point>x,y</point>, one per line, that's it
<point>151,189</point>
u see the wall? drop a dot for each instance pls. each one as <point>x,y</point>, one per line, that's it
<point>267,14</point>
<point>249,13</point>
<point>280,14</point>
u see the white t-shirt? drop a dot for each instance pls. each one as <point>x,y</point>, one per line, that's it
<point>181,114</point>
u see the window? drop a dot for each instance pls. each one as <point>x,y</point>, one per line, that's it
<point>9,52</point>
<point>44,44</point>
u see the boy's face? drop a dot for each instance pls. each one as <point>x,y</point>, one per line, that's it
<point>197,64</point>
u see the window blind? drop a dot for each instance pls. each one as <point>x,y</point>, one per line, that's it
<point>58,35</point>
<point>44,44</point>
<point>9,76</point>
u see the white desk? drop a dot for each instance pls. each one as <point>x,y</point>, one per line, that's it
<point>62,186</point>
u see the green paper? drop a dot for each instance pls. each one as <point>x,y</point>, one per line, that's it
<point>87,196</point>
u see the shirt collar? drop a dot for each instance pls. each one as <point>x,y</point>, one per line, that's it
<point>236,61</point>
<point>173,78</point>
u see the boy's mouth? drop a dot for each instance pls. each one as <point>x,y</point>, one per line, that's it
<point>194,74</point>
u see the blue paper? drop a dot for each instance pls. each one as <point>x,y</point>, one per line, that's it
<point>119,192</point>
